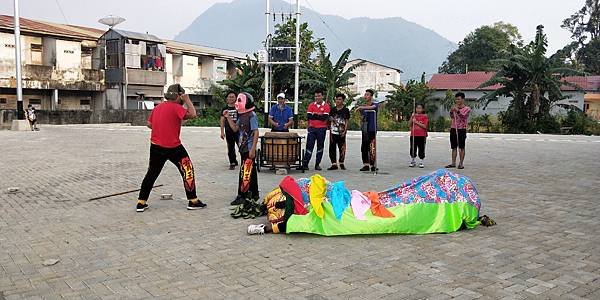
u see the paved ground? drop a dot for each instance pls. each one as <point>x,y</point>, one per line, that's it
<point>542,190</point>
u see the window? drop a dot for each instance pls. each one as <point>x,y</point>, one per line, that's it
<point>84,102</point>
<point>37,103</point>
<point>573,101</point>
<point>3,101</point>
<point>36,54</point>
<point>112,54</point>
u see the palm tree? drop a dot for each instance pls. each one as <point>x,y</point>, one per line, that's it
<point>531,80</point>
<point>249,78</point>
<point>404,96</point>
<point>324,74</point>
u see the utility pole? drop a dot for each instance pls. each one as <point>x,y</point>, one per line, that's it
<point>20,115</point>
<point>269,64</point>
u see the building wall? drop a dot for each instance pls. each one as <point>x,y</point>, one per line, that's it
<point>373,76</point>
<point>190,71</point>
<point>494,107</point>
<point>207,67</point>
<point>68,54</point>
<point>7,53</point>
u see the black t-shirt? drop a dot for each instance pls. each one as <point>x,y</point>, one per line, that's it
<point>233,113</point>
<point>339,119</point>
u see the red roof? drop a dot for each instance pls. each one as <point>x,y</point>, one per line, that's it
<point>463,82</point>
<point>472,80</point>
<point>42,27</point>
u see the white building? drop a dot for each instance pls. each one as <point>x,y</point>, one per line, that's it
<point>469,84</point>
<point>371,75</point>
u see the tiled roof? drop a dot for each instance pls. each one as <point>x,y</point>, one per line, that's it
<point>39,27</point>
<point>463,82</point>
<point>472,80</point>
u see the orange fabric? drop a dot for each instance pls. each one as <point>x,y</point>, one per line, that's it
<point>376,208</point>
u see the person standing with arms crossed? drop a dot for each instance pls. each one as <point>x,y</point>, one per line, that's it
<point>318,117</point>
<point>165,122</point>
<point>459,113</point>
<point>227,132</point>
<point>369,131</point>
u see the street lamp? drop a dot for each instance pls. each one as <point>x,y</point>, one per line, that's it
<point>20,114</point>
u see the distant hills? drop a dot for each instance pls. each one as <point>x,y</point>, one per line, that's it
<point>395,42</point>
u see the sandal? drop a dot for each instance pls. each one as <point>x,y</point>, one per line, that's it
<point>460,167</point>
<point>450,166</point>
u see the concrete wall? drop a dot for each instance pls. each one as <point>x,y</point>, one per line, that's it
<point>207,67</point>
<point>7,53</point>
<point>220,70</point>
<point>191,73</point>
<point>494,107</point>
<point>373,76</point>
<point>62,117</point>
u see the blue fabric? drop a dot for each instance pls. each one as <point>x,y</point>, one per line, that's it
<point>339,196</point>
<point>247,124</point>
<point>369,117</point>
<point>281,116</point>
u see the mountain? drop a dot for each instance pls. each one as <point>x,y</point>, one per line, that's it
<point>240,25</point>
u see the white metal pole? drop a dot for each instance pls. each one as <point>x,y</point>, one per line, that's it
<point>267,67</point>
<point>297,66</point>
<point>18,62</point>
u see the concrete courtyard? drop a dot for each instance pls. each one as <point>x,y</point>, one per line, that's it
<point>544,192</point>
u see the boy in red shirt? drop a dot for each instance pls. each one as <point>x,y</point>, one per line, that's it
<point>418,135</point>
<point>165,122</point>
<point>318,117</point>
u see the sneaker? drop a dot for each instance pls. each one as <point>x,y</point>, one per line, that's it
<point>300,168</point>
<point>333,167</point>
<point>364,169</point>
<point>256,229</point>
<point>412,164</point>
<point>141,207</point>
<point>318,168</point>
<point>342,167</point>
<point>373,169</point>
<point>421,165</point>
<point>195,205</point>
<point>232,166</point>
<point>238,200</point>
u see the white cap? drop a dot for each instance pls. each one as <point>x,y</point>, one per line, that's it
<point>281,95</point>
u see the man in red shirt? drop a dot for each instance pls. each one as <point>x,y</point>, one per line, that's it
<point>165,122</point>
<point>318,116</point>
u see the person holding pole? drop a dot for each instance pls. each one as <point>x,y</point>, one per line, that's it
<point>369,132</point>
<point>418,135</point>
<point>459,113</point>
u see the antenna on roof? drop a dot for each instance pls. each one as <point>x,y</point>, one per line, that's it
<point>111,21</point>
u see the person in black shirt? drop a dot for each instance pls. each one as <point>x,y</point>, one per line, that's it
<point>338,126</point>
<point>226,132</point>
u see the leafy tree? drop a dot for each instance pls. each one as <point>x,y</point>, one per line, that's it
<point>584,26</point>
<point>400,100</point>
<point>481,47</point>
<point>529,78</point>
<point>324,74</point>
<point>285,36</point>
<point>249,78</point>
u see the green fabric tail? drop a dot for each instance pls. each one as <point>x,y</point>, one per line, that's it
<point>418,218</point>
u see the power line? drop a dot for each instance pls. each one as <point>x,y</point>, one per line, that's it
<point>61,11</point>
<point>327,26</point>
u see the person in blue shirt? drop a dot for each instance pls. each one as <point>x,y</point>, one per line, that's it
<point>281,116</point>
<point>369,131</point>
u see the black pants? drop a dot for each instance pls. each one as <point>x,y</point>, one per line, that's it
<point>315,135</point>
<point>231,138</point>
<point>458,139</point>
<point>417,144</point>
<point>339,142</point>
<point>253,189</point>
<point>180,158</point>
<point>367,147</point>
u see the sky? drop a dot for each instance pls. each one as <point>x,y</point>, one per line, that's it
<point>453,19</point>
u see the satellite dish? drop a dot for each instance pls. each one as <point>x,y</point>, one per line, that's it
<point>111,21</point>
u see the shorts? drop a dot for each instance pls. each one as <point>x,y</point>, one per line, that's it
<point>460,142</point>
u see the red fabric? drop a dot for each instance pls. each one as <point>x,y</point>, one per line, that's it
<point>165,120</point>
<point>318,110</point>
<point>416,129</point>
<point>376,207</point>
<point>290,186</point>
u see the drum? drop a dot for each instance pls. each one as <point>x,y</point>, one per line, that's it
<point>281,148</point>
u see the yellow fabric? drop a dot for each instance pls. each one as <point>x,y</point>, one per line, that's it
<point>317,192</point>
<point>274,215</point>
<point>142,202</point>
